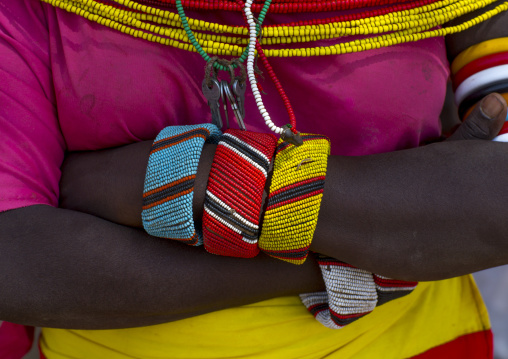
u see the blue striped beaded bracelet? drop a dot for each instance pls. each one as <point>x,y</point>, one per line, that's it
<point>169,181</point>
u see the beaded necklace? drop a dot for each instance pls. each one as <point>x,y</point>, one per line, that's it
<point>197,46</point>
<point>278,6</point>
<point>163,26</point>
<point>398,24</point>
<point>272,75</point>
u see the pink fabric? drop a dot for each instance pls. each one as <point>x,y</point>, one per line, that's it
<point>69,84</point>
<point>32,147</point>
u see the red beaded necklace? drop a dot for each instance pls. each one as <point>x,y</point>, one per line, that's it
<point>280,6</point>
<point>358,16</point>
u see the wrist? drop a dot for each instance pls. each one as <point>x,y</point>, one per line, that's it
<point>106,183</point>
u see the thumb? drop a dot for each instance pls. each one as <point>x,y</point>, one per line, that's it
<point>485,120</point>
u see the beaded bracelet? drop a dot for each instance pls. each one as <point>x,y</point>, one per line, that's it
<point>351,293</point>
<point>169,181</point>
<point>482,49</point>
<point>235,191</point>
<point>295,196</point>
<point>478,65</point>
<point>389,289</point>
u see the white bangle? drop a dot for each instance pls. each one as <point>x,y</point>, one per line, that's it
<point>479,80</point>
<point>501,138</point>
<point>503,134</point>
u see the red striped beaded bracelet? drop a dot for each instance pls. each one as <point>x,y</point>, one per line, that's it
<point>235,191</point>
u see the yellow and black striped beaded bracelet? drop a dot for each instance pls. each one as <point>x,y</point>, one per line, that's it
<point>295,197</point>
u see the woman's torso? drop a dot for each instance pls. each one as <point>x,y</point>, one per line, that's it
<point>112,90</point>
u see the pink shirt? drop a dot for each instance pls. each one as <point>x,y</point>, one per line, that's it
<point>72,85</point>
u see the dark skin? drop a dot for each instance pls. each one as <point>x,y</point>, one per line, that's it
<point>87,266</point>
<point>426,183</point>
<point>492,29</point>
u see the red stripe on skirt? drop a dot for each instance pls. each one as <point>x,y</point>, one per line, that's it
<point>479,345</point>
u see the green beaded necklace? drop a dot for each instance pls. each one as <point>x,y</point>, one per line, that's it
<point>204,55</point>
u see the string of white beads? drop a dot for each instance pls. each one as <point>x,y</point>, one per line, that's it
<point>250,69</point>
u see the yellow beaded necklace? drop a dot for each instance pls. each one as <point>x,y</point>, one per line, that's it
<point>164,27</point>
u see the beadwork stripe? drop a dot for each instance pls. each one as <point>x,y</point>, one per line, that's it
<point>231,224</point>
<point>229,219</point>
<point>290,195</point>
<point>317,308</point>
<point>252,152</point>
<point>177,139</point>
<point>247,157</point>
<point>296,254</point>
<point>224,208</point>
<point>168,192</point>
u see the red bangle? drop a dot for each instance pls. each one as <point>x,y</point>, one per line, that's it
<point>235,191</point>
<point>503,129</point>
<point>478,65</point>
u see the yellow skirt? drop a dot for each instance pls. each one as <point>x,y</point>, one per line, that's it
<point>434,314</point>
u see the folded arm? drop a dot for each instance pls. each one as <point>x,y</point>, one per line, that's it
<point>428,213</point>
<point>63,268</point>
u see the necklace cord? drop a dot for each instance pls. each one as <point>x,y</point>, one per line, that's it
<point>273,77</point>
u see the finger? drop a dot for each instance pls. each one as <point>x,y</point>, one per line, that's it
<point>485,120</point>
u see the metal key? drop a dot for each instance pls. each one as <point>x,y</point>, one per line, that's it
<point>234,105</point>
<point>239,88</point>
<point>213,95</point>
<point>224,99</point>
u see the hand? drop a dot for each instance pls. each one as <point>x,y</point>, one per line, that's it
<point>484,122</point>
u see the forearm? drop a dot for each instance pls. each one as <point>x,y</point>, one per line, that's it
<point>422,214</point>
<point>67,269</point>
<point>109,183</point>
<point>428,213</point>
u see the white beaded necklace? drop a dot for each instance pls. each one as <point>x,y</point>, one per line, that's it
<point>250,69</point>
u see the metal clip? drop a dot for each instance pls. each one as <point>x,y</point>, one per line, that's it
<point>290,137</point>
